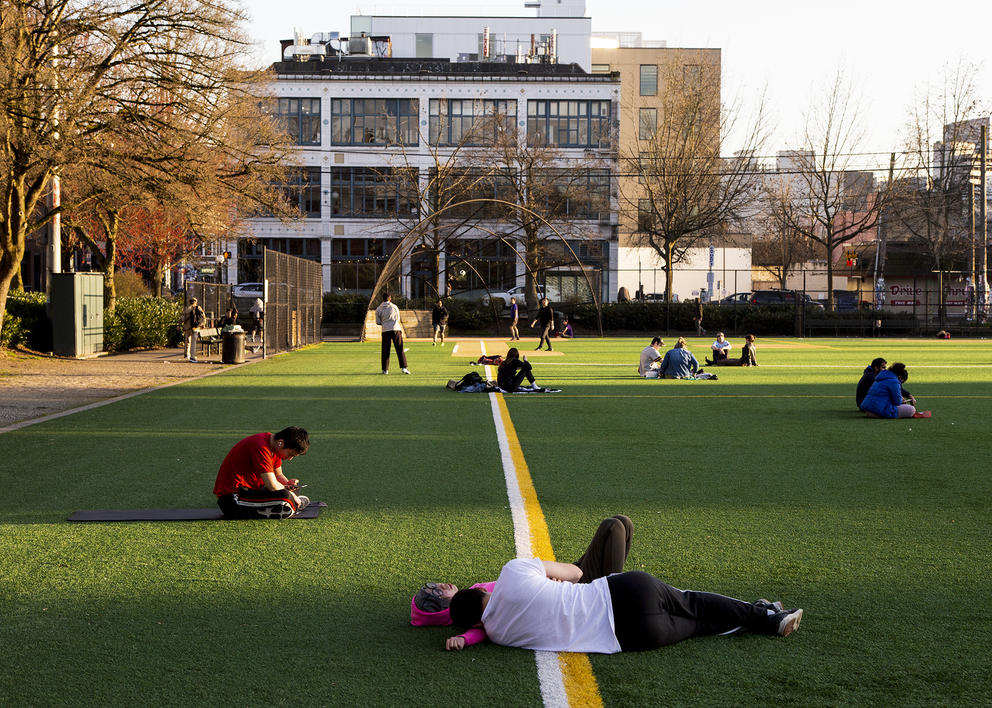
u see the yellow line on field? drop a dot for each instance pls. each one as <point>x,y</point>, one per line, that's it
<point>581,688</point>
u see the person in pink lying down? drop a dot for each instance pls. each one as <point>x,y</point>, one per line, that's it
<point>606,554</point>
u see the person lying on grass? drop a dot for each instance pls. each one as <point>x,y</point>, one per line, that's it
<point>250,483</point>
<point>607,553</point>
<point>745,359</point>
<point>540,605</point>
<point>512,372</point>
<point>885,397</point>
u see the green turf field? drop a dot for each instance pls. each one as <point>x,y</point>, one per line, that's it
<point>766,483</point>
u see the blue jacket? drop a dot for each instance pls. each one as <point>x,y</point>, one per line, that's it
<point>679,363</point>
<point>884,396</point>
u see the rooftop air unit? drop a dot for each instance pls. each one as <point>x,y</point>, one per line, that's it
<point>360,46</point>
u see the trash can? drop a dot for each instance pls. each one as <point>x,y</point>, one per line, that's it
<point>232,350</point>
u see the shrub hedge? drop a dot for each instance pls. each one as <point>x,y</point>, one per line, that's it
<point>26,321</point>
<point>140,322</point>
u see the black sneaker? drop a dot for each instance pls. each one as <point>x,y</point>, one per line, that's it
<point>766,605</point>
<point>788,621</point>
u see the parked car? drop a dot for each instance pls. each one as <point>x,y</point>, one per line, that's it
<point>517,292</point>
<point>735,300</point>
<point>247,290</point>
<point>848,301</point>
<point>782,297</point>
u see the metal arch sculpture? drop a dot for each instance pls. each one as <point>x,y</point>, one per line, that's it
<point>409,239</point>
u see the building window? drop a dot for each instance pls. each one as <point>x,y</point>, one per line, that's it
<point>574,194</point>
<point>373,192</point>
<point>425,46</point>
<point>568,123</point>
<point>462,185</point>
<point>692,74</point>
<point>645,216</point>
<point>250,254</point>
<point>356,264</point>
<point>470,121</point>
<point>647,123</point>
<point>374,121</point>
<point>600,68</point>
<point>649,80</point>
<point>302,189</point>
<point>472,264</point>
<point>301,118</point>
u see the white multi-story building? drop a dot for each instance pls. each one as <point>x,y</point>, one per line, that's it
<point>359,120</point>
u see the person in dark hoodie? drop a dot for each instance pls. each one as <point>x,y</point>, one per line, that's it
<point>868,378</point>
<point>885,400</point>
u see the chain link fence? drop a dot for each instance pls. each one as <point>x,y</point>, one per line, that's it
<point>215,299</point>
<point>293,295</point>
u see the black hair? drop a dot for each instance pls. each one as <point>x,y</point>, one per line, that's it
<point>656,340</point>
<point>899,369</point>
<point>293,438</point>
<point>877,362</point>
<point>513,353</point>
<point>466,607</point>
<point>386,297</point>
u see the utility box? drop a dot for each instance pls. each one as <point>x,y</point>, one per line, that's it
<point>76,308</point>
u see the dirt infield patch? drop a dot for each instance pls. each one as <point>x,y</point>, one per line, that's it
<point>34,385</point>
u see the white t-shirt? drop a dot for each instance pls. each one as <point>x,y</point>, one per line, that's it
<point>388,316</point>
<point>724,345</point>
<point>648,355</point>
<point>529,610</point>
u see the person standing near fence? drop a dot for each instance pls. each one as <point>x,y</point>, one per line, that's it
<point>193,319</point>
<point>257,319</point>
<point>387,316</point>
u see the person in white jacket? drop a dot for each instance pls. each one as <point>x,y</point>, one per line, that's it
<point>387,316</point>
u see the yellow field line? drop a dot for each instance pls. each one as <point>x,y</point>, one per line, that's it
<point>579,681</point>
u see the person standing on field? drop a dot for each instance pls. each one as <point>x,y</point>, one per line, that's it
<point>439,320</point>
<point>387,316</point>
<point>514,319</point>
<point>546,318</point>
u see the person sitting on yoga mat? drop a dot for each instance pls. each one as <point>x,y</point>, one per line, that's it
<point>540,605</point>
<point>250,483</point>
<point>607,553</point>
<point>512,372</point>
<point>745,359</point>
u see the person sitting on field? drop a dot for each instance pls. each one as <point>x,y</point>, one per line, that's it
<point>721,347</point>
<point>566,330</point>
<point>885,400</point>
<point>649,365</point>
<point>745,359</point>
<point>250,483</point>
<point>606,554</point>
<point>679,363</point>
<point>512,372</point>
<point>540,605</point>
<point>868,378</point>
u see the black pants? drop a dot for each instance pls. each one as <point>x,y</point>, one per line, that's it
<point>608,549</point>
<point>394,337</point>
<point>545,336</point>
<point>258,504</point>
<point>648,613</point>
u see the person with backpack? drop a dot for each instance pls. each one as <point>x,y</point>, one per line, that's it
<point>193,319</point>
<point>512,372</point>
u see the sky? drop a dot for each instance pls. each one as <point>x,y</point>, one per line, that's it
<point>790,51</point>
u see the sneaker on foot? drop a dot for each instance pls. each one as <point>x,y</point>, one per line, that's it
<point>194,360</point>
<point>921,414</point>
<point>405,371</point>
<point>788,621</point>
<point>766,605</point>
<point>304,503</point>
<point>385,371</point>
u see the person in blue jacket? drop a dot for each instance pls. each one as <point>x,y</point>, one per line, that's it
<point>679,363</point>
<point>885,399</point>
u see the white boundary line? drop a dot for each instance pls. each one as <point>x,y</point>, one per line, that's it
<point>549,674</point>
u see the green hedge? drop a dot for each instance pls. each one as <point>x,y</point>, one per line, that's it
<point>26,321</point>
<point>140,322</point>
<point>463,316</point>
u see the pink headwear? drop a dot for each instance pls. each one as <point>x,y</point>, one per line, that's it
<point>420,618</point>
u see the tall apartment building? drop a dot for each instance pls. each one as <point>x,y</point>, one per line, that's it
<point>363,123</point>
<point>647,70</point>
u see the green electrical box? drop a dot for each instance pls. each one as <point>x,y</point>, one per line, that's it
<point>76,308</point>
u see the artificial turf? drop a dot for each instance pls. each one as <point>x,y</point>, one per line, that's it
<point>765,483</point>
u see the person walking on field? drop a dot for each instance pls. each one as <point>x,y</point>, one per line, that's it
<point>514,319</point>
<point>193,319</point>
<point>546,318</point>
<point>439,320</point>
<point>387,316</point>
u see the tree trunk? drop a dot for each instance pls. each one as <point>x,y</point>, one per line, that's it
<point>109,263</point>
<point>830,276</point>
<point>10,266</point>
<point>669,275</point>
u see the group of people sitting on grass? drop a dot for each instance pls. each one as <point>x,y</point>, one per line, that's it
<point>679,363</point>
<point>881,393</point>
<point>591,605</point>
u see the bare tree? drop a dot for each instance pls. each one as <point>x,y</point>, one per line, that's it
<point>684,190</point>
<point>831,203</point>
<point>932,196</point>
<point>123,98</point>
<point>778,247</point>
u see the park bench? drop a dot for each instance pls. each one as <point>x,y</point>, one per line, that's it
<point>209,338</point>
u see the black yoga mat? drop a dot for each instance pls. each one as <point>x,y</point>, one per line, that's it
<point>311,512</point>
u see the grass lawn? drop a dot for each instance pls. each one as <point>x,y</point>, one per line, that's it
<point>766,483</point>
